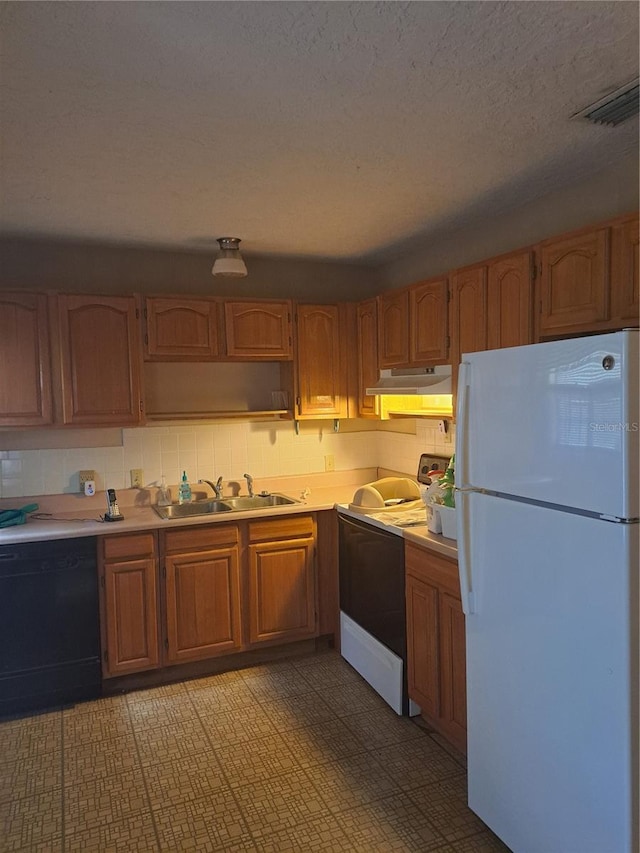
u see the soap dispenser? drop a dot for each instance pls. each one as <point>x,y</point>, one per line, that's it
<point>184,490</point>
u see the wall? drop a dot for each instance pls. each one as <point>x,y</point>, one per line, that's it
<point>67,266</point>
<point>472,238</point>
<point>208,451</point>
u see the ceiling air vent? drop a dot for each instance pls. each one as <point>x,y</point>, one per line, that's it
<point>615,107</point>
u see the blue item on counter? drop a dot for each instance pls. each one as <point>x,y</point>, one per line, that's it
<point>12,517</point>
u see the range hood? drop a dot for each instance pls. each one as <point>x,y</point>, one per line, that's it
<point>424,381</point>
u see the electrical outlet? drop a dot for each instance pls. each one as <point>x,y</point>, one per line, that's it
<point>329,462</point>
<point>137,478</point>
<point>85,476</point>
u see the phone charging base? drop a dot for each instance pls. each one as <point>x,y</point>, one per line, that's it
<point>113,517</point>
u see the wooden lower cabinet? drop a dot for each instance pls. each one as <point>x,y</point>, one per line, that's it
<point>202,592</point>
<point>282,580</point>
<point>423,645</point>
<point>218,589</point>
<point>129,604</point>
<point>453,670</point>
<point>436,642</point>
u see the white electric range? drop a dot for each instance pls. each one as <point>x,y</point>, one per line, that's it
<point>372,588</point>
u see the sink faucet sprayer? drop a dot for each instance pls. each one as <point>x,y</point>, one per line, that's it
<point>249,480</point>
<point>217,487</point>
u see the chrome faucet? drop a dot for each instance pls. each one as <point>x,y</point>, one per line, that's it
<point>249,480</point>
<point>217,487</point>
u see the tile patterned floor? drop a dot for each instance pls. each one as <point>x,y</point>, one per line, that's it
<point>291,756</point>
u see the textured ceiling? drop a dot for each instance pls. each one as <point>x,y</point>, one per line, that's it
<point>319,129</point>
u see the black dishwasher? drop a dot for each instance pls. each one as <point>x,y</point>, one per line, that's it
<point>49,630</point>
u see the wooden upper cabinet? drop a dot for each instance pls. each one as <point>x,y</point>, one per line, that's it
<point>100,353</point>
<point>180,329</point>
<point>468,312</point>
<point>25,377</point>
<point>625,274</point>
<point>393,329</point>
<point>510,301</point>
<point>367,346</point>
<point>574,282</point>
<point>258,330</point>
<point>320,377</point>
<point>429,322</point>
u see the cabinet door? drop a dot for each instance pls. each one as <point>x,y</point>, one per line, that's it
<point>468,315</point>
<point>181,329</point>
<point>367,346</point>
<point>131,615</point>
<point>422,645</point>
<point>469,312</point>
<point>429,316</point>
<point>453,708</point>
<point>258,330</point>
<point>25,377</point>
<point>625,273</point>
<point>574,282</point>
<point>321,381</point>
<point>393,329</point>
<point>203,604</point>
<point>282,590</point>
<point>510,301</point>
<point>100,360</point>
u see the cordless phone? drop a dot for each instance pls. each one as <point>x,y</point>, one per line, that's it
<point>113,510</point>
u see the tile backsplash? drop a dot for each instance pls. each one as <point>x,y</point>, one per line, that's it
<point>227,450</point>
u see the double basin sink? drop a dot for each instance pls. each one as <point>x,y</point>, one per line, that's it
<point>216,505</point>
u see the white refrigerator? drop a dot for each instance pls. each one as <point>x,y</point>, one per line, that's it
<point>547,472</point>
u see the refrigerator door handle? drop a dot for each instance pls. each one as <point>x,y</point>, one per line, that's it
<point>462,426</point>
<point>462,489</point>
<point>464,561</point>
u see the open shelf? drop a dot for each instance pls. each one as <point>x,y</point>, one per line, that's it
<point>211,391</point>
<point>263,414</point>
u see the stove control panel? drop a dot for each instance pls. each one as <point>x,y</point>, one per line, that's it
<point>430,463</point>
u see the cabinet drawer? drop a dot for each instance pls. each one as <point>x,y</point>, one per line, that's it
<point>188,539</point>
<point>432,568</point>
<point>129,545</point>
<point>281,528</point>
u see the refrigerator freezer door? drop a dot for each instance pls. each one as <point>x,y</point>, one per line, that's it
<point>552,663</point>
<point>555,422</point>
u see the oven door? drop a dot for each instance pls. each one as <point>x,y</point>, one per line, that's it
<point>372,582</point>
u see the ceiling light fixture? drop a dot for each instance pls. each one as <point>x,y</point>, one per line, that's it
<point>229,261</point>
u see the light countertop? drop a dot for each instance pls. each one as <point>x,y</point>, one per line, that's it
<point>74,516</point>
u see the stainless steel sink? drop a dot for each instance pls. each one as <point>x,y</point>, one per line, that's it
<point>191,509</point>
<point>209,507</point>
<point>258,502</point>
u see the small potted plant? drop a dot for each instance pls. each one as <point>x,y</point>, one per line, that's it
<point>448,508</point>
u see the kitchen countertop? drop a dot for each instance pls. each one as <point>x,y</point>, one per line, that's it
<point>70,524</point>
<point>434,541</point>
<point>419,534</point>
<point>75,516</point>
